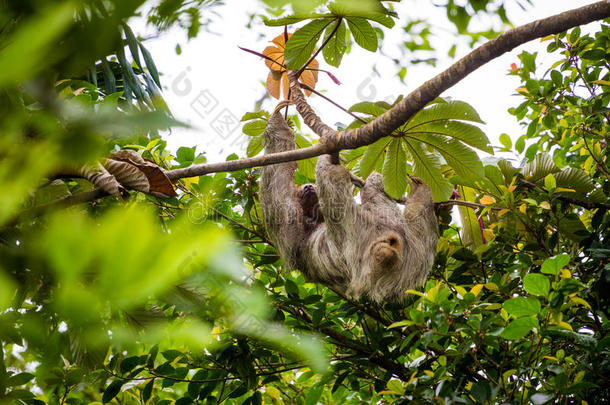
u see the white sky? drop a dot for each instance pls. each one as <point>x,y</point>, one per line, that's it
<point>213,81</point>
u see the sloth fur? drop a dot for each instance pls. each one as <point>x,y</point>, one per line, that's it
<point>368,250</point>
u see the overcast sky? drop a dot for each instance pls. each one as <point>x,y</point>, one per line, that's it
<point>213,83</point>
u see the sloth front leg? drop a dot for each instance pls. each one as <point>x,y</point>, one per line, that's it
<point>335,195</point>
<point>281,212</point>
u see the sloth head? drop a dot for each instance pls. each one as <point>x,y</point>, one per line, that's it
<point>307,196</point>
<point>386,252</point>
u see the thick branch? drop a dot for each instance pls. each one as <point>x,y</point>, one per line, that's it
<point>264,160</point>
<point>384,125</point>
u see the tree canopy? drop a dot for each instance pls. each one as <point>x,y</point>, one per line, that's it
<point>131,273</point>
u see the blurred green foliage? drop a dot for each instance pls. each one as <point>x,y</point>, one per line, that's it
<point>184,300</point>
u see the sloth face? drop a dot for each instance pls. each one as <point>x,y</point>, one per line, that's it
<point>386,252</point>
<point>308,198</point>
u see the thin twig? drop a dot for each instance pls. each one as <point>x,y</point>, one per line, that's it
<point>585,204</point>
<point>317,93</point>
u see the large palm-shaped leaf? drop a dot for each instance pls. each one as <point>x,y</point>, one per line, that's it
<point>441,130</point>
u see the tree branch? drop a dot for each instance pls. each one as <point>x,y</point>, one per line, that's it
<point>585,204</point>
<point>384,125</point>
<point>232,165</point>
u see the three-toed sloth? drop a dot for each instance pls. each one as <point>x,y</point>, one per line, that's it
<point>368,250</point>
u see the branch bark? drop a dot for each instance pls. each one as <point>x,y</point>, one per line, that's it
<point>334,141</point>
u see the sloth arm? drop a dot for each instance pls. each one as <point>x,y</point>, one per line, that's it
<point>336,201</point>
<point>281,210</point>
<point>279,138</point>
<point>373,196</point>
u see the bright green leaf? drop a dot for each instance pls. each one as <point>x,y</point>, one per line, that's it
<point>367,107</point>
<point>185,155</point>
<point>428,167</point>
<point>522,306</point>
<point>337,45</point>
<point>506,141</point>
<point>550,183</point>
<point>554,264</point>
<point>536,284</point>
<point>471,229</point>
<point>293,19</point>
<point>302,43</point>
<point>462,159</point>
<point>363,32</point>
<point>371,156</point>
<point>395,169</point>
<point>518,328</point>
<point>255,146</point>
<point>254,128</point>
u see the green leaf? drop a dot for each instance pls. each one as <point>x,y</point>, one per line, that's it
<point>518,328</point>
<point>112,391</point>
<point>593,54</point>
<point>522,306</point>
<point>129,77</point>
<point>367,107</point>
<point>132,42</point>
<point>255,145</point>
<point>19,379</point>
<point>396,386</point>
<point>291,288</point>
<point>150,362</point>
<point>481,391</point>
<point>363,32</point>
<point>445,119</point>
<point>253,115</point>
<point>302,43</point>
<point>109,79</point>
<point>575,179</point>
<point>313,394</point>
<point>293,19</point>
<point>368,9</point>
<point>550,183</point>
<point>254,128</point>
<point>51,192</point>
<point>579,339</point>
<point>446,110</point>
<point>462,159</point>
<point>371,156</point>
<point>31,47</point>
<point>506,141</point>
<point>185,155</point>
<point>471,229</point>
<point>150,64</point>
<point>539,168</point>
<point>395,169</point>
<point>307,167</point>
<point>337,45</point>
<point>147,391</point>
<point>536,284</point>
<point>340,380</point>
<point>75,375</point>
<point>428,168</point>
<point>554,264</point>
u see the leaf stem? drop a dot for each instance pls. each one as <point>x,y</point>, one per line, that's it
<point>317,93</point>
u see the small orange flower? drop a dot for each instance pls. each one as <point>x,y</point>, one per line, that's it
<point>277,80</point>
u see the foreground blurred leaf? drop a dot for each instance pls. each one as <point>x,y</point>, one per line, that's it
<point>31,48</point>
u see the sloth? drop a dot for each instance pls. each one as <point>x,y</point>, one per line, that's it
<point>370,250</point>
